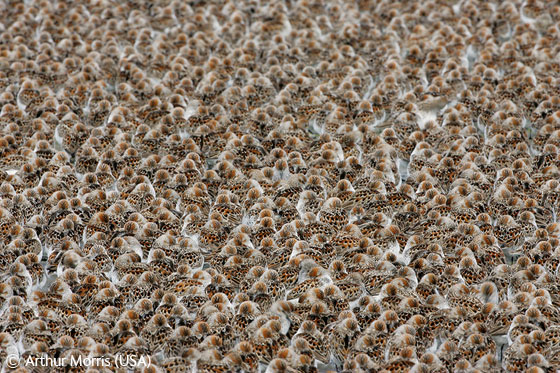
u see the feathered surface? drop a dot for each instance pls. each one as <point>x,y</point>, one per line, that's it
<point>281,186</point>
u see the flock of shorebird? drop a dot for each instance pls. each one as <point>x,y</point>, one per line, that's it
<point>280,186</point>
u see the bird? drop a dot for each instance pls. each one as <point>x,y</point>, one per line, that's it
<point>342,338</point>
<point>156,332</point>
<point>310,339</point>
<point>333,214</point>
